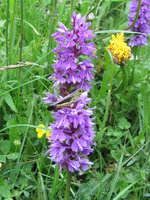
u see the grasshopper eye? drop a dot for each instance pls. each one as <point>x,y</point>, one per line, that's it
<point>50,108</point>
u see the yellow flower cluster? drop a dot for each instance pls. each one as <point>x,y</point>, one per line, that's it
<point>120,51</point>
<point>40,131</point>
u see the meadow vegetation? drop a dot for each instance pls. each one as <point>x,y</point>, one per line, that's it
<point>121,157</point>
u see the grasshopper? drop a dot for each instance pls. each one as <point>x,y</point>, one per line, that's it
<point>66,101</point>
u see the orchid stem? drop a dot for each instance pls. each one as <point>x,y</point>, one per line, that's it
<point>68,183</point>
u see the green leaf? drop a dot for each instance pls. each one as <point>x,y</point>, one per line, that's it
<point>26,193</point>
<point>10,102</point>
<point>124,124</point>
<point>13,156</point>
<point>117,133</point>
<point>2,22</point>
<point>4,191</point>
<point>4,146</point>
<point>2,158</point>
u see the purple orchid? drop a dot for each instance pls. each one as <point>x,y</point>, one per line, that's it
<point>142,24</point>
<point>72,135</point>
<point>73,44</point>
<point>72,132</point>
<point>50,98</point>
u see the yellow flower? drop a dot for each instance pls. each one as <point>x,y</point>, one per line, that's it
<point>40,131</point>
<point>48,134</point>
<point>120,51</point>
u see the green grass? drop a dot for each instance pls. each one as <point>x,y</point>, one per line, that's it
<point>121,158</point>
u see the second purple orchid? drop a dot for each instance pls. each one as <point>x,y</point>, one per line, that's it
<point>142,23</point>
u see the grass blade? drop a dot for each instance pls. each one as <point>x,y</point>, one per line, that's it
<point>115,178</point>
<point>124,191</point>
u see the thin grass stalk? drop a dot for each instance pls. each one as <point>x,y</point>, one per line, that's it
<point>115,178</point>
<point>21,45</point>
<point>21,41</point>
<point>12,32</point>
<point>101,175</point>
<point>56,176</point>
<point>124,81</point>
<point>17,168</point>
<point>68,184</point>
<point>52,22</point>
<point>71,7</point>
<point>146,117</point>
<point>41,187</point>
<point>109,6</point>
<point>91,8</point>
<point>105,118</point>
<point>10,67</point>
<point>123,86</point>
<point>135,53</point>
<point>49,42</point>
<point>29,82</point>
<point>7,23</point>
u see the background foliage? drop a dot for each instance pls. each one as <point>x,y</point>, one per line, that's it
<point>121,168</point>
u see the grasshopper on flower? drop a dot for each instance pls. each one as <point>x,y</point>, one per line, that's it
<point>66,101</point>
